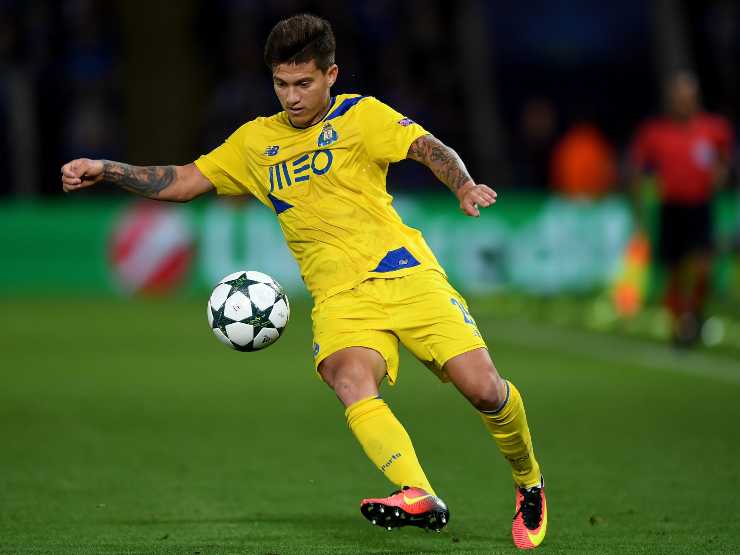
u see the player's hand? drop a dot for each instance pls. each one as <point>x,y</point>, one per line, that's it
<point>80,173</point>
<point>473,195</point>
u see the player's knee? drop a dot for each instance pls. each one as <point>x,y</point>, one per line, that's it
<point>349,379</point>
<point>475,375</point>
<point>326,371</point>
<point>488,394</point>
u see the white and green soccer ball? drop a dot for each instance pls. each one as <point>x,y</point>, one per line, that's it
<point>248,310</point>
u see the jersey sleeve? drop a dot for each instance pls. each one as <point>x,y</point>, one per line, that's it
<point>231,167</point>
<point>387,134</point>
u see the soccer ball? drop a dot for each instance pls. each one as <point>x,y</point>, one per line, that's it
<point>248,310</point>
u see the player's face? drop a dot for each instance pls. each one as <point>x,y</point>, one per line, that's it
<point>303,91</point>
<point>683,97</point>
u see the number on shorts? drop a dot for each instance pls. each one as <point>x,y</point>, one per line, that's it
<point>466,315</point>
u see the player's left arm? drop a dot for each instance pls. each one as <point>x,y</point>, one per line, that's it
<point>724,141</point>
<point>450,170</point>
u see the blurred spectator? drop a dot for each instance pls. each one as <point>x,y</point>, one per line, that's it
<point>690,151</point>
<point>17,114</point>
<point>79,101</point>
<point>534,144</point>
<point>237,97</point>
<point>583,163</point>
<point>89,62</point>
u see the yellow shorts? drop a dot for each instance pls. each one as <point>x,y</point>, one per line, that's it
<point>422,310</point>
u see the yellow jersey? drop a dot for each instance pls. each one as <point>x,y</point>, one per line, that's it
<point>327,186</point>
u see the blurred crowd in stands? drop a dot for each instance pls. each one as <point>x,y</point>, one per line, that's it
<point>567,89</point>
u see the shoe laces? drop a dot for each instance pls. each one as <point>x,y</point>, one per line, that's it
<point>530,507</point>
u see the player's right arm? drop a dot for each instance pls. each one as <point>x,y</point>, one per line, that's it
<point>170,183</point>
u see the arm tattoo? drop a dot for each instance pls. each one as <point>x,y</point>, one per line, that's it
<point>147,181</point>
<point>441,159</point>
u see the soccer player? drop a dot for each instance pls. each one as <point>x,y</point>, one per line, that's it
<point>321,166</point>
<point>690,152</point>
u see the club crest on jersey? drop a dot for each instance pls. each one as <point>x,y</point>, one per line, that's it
<point>328,135</point>
<point>405,122</point>
<point>272,150</point>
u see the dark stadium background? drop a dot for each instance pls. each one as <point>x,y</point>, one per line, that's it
<point>153,81</point>
<point>125,427</point>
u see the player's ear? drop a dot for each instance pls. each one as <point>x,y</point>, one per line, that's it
<point>332,73</point>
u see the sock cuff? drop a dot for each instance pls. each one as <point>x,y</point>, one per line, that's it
<point>359,410</point>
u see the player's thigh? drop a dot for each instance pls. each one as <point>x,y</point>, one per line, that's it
<point>437,326</point>
<point>684,230</point>
<point>353,319</point>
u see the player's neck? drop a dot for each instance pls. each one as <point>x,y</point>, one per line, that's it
<point>683,118</point>
<point>321,114</point>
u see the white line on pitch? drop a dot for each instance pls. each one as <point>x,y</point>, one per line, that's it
<point>615,349</point>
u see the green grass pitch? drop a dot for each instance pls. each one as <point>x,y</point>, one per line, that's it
<point>125,427</point>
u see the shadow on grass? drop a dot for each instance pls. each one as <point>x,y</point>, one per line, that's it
<point>323,533</point>
<point>295,519</point>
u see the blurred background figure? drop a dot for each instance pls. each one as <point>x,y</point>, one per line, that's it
<point>89,61</point>
<point>534,143</point>
<point>18,138</point>
<point>584,164</point>
<point>689,151</point>
<point>232,51</point>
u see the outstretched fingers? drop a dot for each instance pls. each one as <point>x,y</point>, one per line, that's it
<point>477,196</point>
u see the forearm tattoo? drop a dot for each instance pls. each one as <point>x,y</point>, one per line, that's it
<point>147,181</point>
<point>441,159</point>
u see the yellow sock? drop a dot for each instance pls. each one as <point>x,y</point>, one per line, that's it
<point>386,442</point>
<point>508,426</point>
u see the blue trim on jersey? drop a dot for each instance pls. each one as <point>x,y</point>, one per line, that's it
<point>279,205</point>
<point>396,260</point>
<point>344,107</point>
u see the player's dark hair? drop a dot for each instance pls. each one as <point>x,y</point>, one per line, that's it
<point>300,39</point>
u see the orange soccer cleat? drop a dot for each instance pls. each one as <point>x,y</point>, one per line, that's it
<point>530,521</point>
<point>407,507</point>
